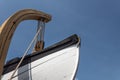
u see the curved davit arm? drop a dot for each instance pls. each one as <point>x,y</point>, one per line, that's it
<point>9,26</point>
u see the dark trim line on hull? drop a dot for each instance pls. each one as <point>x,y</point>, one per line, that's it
<point>11,65</point>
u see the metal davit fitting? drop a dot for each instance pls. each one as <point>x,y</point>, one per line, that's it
<point>9,26</point>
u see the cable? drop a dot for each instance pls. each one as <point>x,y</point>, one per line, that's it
<point>25,53</point>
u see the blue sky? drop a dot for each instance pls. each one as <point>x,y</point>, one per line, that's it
<point>97,22</point>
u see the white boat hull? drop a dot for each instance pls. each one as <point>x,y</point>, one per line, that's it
<point>60,65</point>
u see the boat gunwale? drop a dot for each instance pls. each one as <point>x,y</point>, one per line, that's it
<point>74,39</point>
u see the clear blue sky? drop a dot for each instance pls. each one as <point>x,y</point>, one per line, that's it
<point>97,22</point>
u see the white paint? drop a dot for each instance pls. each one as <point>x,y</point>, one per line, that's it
<point>61,65</point>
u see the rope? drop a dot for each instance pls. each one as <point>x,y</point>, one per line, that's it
<point>25,53</point>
